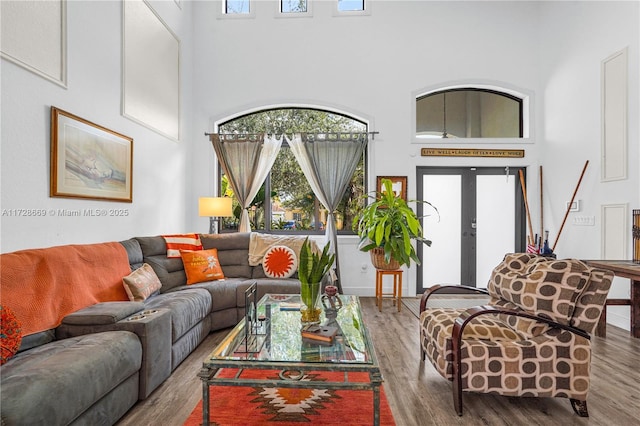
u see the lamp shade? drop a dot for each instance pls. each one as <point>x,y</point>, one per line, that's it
<point>215,206</point>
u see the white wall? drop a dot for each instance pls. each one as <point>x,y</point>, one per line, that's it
<point>162,199</point>
<point>369,66</point>
<point>576,38</point>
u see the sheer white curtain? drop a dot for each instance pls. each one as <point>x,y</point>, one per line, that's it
<point>328,161</point>
<point>246,160</point>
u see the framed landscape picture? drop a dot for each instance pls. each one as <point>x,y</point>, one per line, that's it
<point>88,160</point>
<point>399,184</point>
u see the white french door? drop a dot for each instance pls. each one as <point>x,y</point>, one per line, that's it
<point>480,219</point>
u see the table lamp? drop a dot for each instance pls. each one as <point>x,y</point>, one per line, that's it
<point>215,208</point>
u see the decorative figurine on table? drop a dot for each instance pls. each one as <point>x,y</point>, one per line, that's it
<point>331,303</point>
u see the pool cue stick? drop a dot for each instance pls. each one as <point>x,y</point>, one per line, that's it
<point>526,205</point>
<point>541,210</point>
<point>566,214</point>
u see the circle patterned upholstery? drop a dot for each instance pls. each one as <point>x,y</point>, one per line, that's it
<point>280,262</point>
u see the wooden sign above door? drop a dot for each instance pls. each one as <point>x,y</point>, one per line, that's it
<point>464,152</point>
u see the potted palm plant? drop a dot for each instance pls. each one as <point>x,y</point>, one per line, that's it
<point>387,228</point>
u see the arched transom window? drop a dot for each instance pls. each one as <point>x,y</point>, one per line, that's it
<point>469,113</point>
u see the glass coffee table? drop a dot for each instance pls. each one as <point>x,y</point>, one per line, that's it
<point>276,344</point>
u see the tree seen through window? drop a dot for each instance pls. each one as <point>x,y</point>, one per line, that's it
<point>285,202</point>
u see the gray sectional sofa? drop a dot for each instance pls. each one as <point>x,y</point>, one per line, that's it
<point>93,367</point>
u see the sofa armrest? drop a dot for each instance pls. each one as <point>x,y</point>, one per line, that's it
<point>469,314</point>
<point>438,287</point>
<point>152,326</point>
<point>103,313</point>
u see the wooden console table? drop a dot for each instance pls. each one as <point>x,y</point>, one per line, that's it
<point>624,269</point>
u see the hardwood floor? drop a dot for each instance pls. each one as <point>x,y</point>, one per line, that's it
<point>418,395</point>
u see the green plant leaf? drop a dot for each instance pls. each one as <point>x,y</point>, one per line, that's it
<point>388,222</point>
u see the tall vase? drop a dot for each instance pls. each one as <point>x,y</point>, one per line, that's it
<point>310,310</point>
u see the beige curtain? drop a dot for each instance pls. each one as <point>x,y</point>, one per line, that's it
<point>328,161</point>
<point>246,160</point>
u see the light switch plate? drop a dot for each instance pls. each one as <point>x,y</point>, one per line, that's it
<point>584,220</point>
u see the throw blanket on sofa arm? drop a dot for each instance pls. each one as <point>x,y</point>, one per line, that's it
<point>260,243</point>
<point>42,286</point>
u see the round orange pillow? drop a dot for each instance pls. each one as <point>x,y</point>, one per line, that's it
<point>280,262</point>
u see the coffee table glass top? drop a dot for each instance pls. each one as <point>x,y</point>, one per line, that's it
<point>279,337</point>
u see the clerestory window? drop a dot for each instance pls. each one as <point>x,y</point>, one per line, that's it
<point>469,113</point>
<point>350,5</point>
<point>233,7</point>
<point>293,6</point>
<point>286,202</point>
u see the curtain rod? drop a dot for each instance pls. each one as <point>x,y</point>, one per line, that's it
<point>373,134</point>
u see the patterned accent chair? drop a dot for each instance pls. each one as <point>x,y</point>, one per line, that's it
<point>533,337</point>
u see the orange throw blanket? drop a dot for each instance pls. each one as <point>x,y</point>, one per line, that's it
<point>42,286</point>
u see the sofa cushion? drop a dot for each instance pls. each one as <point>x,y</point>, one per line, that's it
<point>141,283</point>
<point>36,339</point>
<point>230,241</point>
<point>549,288</point>
<point>41,386</point>
<point>134,253</point>
<point>169,271</point>
<point>233,252</point>
<point>202,265</point>
<point>280,262</point>
<point>10,334</point>
<point>592,301</point>
<point>437,325</point>
<point>152,246</point>
<point>223,293</point>
<point>188,307</point>
<point>179,242</point>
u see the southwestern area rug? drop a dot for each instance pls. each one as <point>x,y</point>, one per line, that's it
<point>246,406</point>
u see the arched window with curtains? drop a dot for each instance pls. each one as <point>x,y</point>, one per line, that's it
<point>469,113</point>
<point>286,203</point>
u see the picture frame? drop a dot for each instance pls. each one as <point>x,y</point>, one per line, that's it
<point>399,184</point>
<point>88,160</point>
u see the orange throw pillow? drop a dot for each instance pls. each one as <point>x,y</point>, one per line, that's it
<point>201,266</point>
<point>178,242</point>
<point>280,262</point>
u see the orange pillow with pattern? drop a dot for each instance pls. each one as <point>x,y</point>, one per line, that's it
<point>178,242</point>
<point>280,262</point>
<point>141,283</point>
<point>201,266</point>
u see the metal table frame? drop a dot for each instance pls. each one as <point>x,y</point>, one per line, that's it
<point>212,367</point>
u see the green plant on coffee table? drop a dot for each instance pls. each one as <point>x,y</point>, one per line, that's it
<point>312,267</point>
<point>388,222</point>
